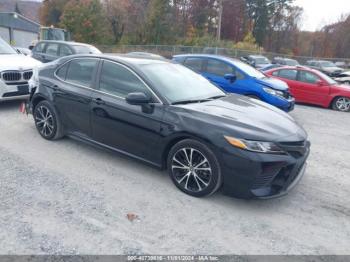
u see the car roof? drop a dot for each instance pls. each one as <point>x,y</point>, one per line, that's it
<point>219,57</point>
<point>122,58</point>
<point>63,42</point>
<point>300,67</point>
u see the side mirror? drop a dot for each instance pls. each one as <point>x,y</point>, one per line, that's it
<point>138,98</point>
<point>230,77</point>
<point>31,47</point>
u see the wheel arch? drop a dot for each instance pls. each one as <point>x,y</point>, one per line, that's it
<point>176,139</point>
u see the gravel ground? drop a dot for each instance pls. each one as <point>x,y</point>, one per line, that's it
<point>67,197</point>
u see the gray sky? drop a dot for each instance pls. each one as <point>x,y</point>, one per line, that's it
<point>318,13</point>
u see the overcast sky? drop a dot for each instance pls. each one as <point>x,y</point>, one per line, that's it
<point>318,13</point>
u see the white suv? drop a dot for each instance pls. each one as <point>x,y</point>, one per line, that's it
<point>15,71</point>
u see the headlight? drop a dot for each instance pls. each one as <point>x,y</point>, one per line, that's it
<point>35,76</point>
<point>255,146</point>
<point>273,92</point>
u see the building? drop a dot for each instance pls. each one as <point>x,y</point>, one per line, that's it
<point>17,29</point>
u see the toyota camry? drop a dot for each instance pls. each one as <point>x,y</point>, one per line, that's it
<point>168,116</point>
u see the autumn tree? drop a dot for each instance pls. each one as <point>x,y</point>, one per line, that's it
<point>86,19</point>
<point>51,11</point>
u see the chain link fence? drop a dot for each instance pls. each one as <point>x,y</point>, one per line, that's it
<point>169,51</point>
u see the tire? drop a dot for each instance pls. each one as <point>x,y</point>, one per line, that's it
<point>341,104</point>
<point>198,174</point>
<point>47,121</point>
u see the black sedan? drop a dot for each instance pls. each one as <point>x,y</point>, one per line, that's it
<point>168,116</point>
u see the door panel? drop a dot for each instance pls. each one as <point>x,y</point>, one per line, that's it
<point>133,129</point>
<point>72,94</point>
<point>310,90</point>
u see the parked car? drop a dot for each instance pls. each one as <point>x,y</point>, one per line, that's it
<point>234,76</point>
<point>285,61</point>
<point>256,61</point>
<point>48,51</point>
<point>327,67</point>
<point>343,78</point>
<point>15,71</point>
<point>164,114</point>
<point>314,87</point>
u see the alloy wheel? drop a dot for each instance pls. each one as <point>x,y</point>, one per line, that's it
<point>343,104</point>
<point>191,169</point>
<point>44,121</point>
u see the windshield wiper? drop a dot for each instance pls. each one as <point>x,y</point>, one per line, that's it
<point>216,97</point>
<point>182,102</point>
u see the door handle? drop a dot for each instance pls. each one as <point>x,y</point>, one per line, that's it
<point>55,88</point>
<point>99,101</point>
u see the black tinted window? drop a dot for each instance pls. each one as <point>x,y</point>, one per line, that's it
<point>62,72</point>
<point>39,47</point>
<point>118,80</point>
<point>308,77</point>
<point>288,74</point>
<point>65,51</point>
<point>52,49</point>
<point>218,68</point>
<point>81,71</point>
<point>194,64</point>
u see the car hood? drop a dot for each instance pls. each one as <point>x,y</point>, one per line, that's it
<point>273,83</point>
<point>246,118</point>
<point>17,62</point>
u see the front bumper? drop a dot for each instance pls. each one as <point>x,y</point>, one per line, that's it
<point>13,91</point>
<point>256,175</point>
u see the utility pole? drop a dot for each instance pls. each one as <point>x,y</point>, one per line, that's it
<point>218,34</point>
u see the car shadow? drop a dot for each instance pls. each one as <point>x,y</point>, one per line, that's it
<point>10,105</point>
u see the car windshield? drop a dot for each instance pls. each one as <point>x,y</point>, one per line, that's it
<point>178,83</point>
<point>327,64</point>
<point>6,49</point>
<point>82,49</point>
<point>291,62</point>
<point>249,70</point>
<point>262,60</point>
<point>327,78</point>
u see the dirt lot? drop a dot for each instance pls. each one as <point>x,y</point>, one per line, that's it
<point>67,197</point>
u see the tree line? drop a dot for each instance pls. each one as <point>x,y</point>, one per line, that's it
<point>272,25</point>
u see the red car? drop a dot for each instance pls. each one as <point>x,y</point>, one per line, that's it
<point>313,87</point>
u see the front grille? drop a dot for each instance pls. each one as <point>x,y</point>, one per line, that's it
<point>27,75</point>
<point>16,76</point>
<point>295,149</point>
<point>11,76</point>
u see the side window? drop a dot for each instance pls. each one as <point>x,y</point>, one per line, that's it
<point>288,74</point>
<point>39,48</point>
<point>65,51</point>
<point>308,77</point>
<point>218,68</point>
<point>239,75</point>
<point>62,72</point>
<point>275,73</point>
<point>194,64</point>
<point>119,81</point>
<point>52,49</point>
<point>80,71</point>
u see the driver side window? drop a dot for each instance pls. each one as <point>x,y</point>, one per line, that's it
<point>119,81</point>
<point>308,77</point>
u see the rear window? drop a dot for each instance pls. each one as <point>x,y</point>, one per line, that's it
<point>81,49</point>
<point>194,64</point>
<point>81,71</point>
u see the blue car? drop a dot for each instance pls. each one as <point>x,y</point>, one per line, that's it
<point>234,76</point>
